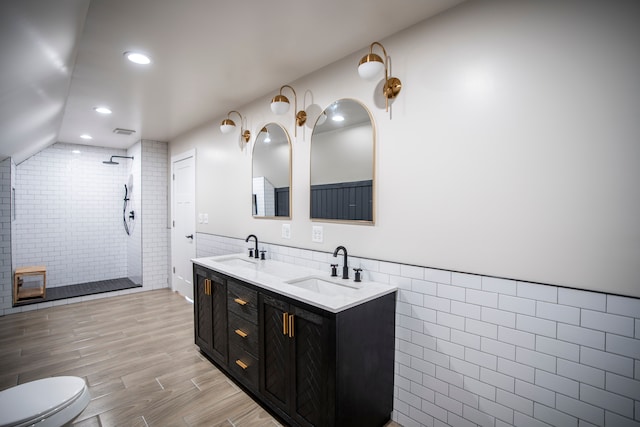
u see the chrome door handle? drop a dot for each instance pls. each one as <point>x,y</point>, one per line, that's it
<point>190,236</point>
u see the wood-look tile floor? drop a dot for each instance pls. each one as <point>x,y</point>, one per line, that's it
<point>136,353</point>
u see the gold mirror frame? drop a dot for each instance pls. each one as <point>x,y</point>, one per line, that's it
<point>358,133</point>
<point>266,177</point>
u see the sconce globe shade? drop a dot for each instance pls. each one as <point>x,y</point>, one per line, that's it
<point>322,119</point>
<point>370,66</point>
<point>227,126</point>
<point>280,104</point>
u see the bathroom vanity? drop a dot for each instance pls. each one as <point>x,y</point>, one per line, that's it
<point>313,349</point>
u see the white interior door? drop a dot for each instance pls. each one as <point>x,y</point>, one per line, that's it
<point>183,242</point>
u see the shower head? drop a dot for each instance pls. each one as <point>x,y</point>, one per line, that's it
<point>111,162</point>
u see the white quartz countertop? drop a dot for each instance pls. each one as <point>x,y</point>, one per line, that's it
<point>314,287</point>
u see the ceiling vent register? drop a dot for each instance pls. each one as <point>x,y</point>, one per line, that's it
<point>120,131</point>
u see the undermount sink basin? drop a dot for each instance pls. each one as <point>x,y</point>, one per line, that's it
<point>324,286</point>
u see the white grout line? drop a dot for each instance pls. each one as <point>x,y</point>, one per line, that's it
<point>158,381</point>
<point>145,421</point>
<point>194,383</point>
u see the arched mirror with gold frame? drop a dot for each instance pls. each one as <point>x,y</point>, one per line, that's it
<point>271,173</point>
<point>343,164</point>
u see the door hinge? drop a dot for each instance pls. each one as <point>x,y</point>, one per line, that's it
<point>174,223</point>
<point>174,270</point>
<point>173,176</point>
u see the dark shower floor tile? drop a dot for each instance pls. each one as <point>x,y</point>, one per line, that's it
<point>83,289</point>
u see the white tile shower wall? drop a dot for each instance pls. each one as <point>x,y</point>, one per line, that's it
<point>264,193</point>
<point>69,214</point>
<point>134,240</point>
<point>477,350</point>
<point>155,230</point>
<point>5,236</point>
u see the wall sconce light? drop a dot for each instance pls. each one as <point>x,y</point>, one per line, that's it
<point>280,105</point>
<point>228,125</point>
<point>371,65</point>
<point>267,137</point>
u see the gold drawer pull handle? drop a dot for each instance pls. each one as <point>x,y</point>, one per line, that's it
<point>240,301</point>
<point>241,364</point>
<point>291,325</point>
<point>285,324</point>
<point>241,333</point>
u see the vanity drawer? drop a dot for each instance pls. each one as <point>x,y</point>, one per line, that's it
<point>243,334</point>
<point>242,301</point>
<point>244,366</point>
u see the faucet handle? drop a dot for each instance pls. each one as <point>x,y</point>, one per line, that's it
<point>250,252</point>
<point>262,252</point>
<point>334,270</point>
<point>357,278</point>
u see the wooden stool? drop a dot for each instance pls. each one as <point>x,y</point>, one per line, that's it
<point>21,292</point>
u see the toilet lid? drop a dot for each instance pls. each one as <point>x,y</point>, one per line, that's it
<point>38,398</point>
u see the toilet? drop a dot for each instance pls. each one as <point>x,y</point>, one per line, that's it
<point>49,402</point>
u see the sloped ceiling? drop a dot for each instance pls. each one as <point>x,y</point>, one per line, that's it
<point>62,58</point>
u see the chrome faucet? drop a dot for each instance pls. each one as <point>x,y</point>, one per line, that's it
<point>345,266</point>
<point>255,252</point>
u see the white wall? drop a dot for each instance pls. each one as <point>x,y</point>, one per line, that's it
<point>344,156</point>
<point>511,151</point>
<point>154,221</point>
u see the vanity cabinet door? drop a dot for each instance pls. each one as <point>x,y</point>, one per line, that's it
<point>310,379</point>
<point>295,370</point>
<point>274,376</point>
<point>202,310</point>
<point>218,289</point>
<point>210,314</point>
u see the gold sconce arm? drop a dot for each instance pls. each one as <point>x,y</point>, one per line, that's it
<point>227,125</point>
<point>371,64</point>
<point>280,105</point>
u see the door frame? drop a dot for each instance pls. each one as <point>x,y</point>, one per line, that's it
<point>178,157</point>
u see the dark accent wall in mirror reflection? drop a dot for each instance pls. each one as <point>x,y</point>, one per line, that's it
<point>343,201</point>
<point>282,201</point>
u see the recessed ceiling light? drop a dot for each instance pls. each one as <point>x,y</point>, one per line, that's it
<point>75,151</point>
<point>85,136</point>
<point>138,58</point>
<point>102,110</point>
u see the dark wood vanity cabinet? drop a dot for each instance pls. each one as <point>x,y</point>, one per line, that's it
<point>210,313</point>
<point>308,366</point>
